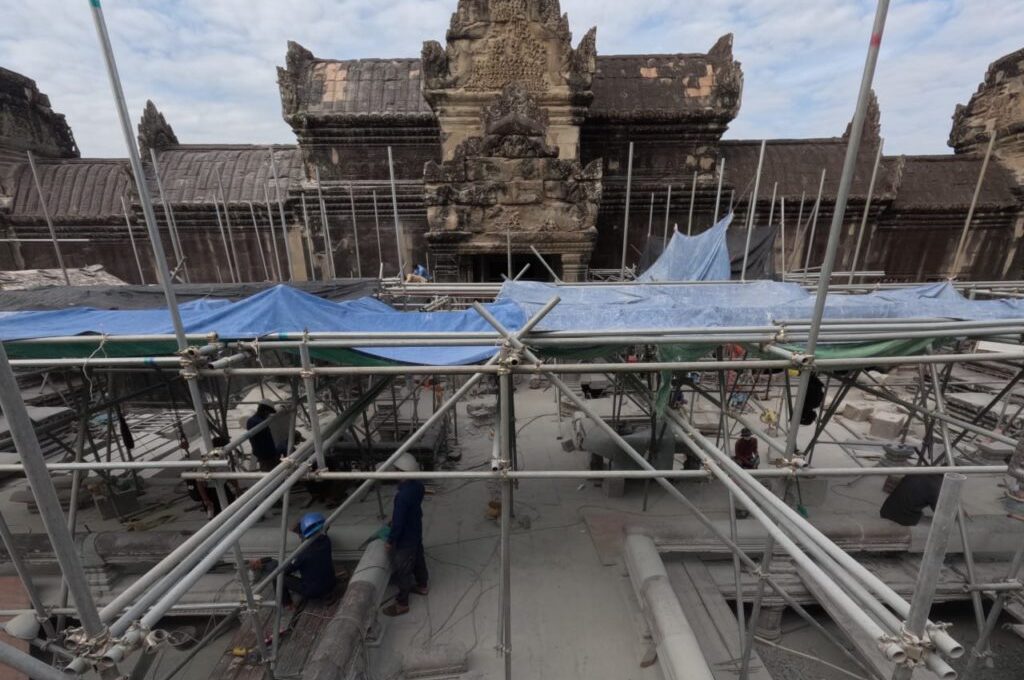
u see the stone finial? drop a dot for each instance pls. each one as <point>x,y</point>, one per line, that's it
<point>872,123</point>
<point>722,49</point>
<point>154,131</point>
<point>435,65</point>
<point>292,78</point>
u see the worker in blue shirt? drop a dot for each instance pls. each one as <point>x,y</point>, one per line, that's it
<point>267,452</point>
<point>311,575</point>
<point>405,541</point>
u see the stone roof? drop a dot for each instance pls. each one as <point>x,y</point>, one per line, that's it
<point>362,87</point>
<point>948,182</point>
<point>75,190</point>
<point>796,164</point>
<point>668,86</point>
<point>664,87</point>
<point>189,172</point>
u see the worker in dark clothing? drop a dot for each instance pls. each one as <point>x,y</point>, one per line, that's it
<point>913,494</point>
<point>405,541</point>
<point>746,455</point>
<point>311,575</point>
<point>267,452</point>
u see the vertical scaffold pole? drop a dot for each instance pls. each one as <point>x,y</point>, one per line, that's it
<point>376,224</point>
<point>227,224</point>
<point>273,235</point>
<point>280,208</point>
<point>131,239</point>
<point>752,211</point>
<point>931,563</point>
<point>962,245</point>
<point>355,229</point>
<point>309,239</point>
<point>693,200</point>
<point>394,209</point>
<point>650,219</point>
<point>718,193</point>
<point>625,221</point>
<point>49,220</point>
<point>814,223</point>
<point>505,380</point>
<point>668,213</point>
<point>867,212</point>
<point>845,180</point>
<point>328,243</point>
<point>172,224</point>
<point>259,241</point>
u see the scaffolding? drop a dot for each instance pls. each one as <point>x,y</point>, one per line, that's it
<point>104,638</point>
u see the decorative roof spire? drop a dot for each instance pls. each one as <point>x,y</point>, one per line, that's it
<point>154,131</point>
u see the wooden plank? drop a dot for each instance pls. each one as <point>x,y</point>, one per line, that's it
<point>712,620</point>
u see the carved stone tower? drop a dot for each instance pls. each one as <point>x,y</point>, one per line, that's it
<point>510,95</point>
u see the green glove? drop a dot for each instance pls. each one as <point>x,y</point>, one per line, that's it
<point>384,533</point>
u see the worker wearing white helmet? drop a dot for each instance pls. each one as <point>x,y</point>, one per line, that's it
<point>405,542</point>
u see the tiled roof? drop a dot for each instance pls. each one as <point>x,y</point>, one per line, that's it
<point>74,189</point>
<point>945,182</point>
<point>189,172</point>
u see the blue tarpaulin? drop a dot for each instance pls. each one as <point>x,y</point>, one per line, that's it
<point>266,315</point>
<point>704,257</point>
<point>724,305</point>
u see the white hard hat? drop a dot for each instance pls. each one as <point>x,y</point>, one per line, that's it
<point>267,403</point>
<point>407,463</point>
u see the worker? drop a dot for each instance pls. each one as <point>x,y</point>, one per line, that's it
<point>267,452</point>
<point>405,540</point>
<point>911,496</point>
<point>310,575</point>
<point>746,455</point>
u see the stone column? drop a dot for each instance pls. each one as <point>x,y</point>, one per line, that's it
<point>769,624</point>
<point>574,268</point>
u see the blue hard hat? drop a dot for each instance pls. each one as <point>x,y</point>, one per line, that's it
<point>311,523</point>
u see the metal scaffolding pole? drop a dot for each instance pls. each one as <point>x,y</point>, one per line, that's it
<point>309,238</point>
<point>813,219</point>
<point>26,579</point>
<point>46,216</point>
<point>22,432</point>
<point>131,239</point>
<point>227,224</point>
<point>224,242</point>
<point>782,232</point>
<point>507,433</point>
<point>172,225</point>
<point>259,242</point>
<point>328,243</point>
<point>27,664</point>
<point>931,564</point>
<point>839,212</point>
<point>273,235</point>
<point>977,652</point>
<point>376,224</point>
<point>867,211</point>
<point>668,212</point>
<point>394,209</point>
<point>650,219</point>
<point>625,221</point>
<point>280,208</point>
<point>752,211</point>
<point>693,199</point>
<point>355,230</point>
<point>771,209</point>
<point>961,247</point>
<point>718,193</point>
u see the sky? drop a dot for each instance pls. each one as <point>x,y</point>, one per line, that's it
<point>210,65</point>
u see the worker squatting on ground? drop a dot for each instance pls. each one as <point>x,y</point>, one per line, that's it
<point>267,452</point>
<point>911,496</point>
<point>311,575</point>
<point>746,455</point>
<point>405,541</point>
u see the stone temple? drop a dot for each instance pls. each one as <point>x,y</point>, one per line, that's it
<point>507,136</point>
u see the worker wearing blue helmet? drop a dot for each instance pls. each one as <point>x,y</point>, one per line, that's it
<point>310,575</point>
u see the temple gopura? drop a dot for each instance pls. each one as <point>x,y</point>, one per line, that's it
<point>509,135</point>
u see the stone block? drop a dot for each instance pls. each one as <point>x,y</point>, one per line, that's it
<point>886,425</point>
<point>858,411</point>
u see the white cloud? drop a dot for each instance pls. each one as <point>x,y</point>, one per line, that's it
<point>210,64</point>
